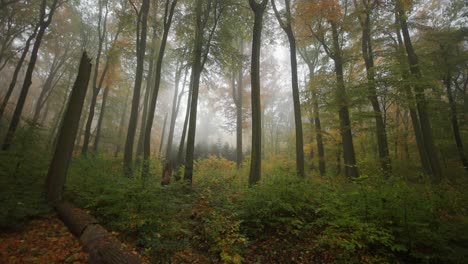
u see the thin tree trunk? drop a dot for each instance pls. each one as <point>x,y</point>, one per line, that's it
<point>256,158</point>
<point>163,134</point>
<point>367,54</point>
<point>180,153</point>
<point>169,12</point>
<point>16,72</point>
<point>351,170</point>
<point>240,90</point>
<point>122,124</point>
<point>141,47</point>
<point>173,115</point>
<point>286,25</point>
<point>454,121</point>
<point>421,102</point>
<point>101,118</point>
<point>44,23</point>
<point>96,88</point>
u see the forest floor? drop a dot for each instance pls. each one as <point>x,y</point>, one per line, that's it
<point>44,240</point>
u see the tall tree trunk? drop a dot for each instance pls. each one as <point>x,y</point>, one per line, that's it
<point>240,90</point>
<point>256,158</point>
<point>367,54</point>
<point>169,12</point>
<point>173,115</point>
<point>421,102</point>
<point>180,153</point>
<point>194,85</point>
<point>96,87</point>
<point>141,48</point>
<point>424,158</point>
<point>286,25</point>
<point>311,64</point>
<point>59,165</point>
<point>122,124</point>
<point>147,96</point>
<point>16,71</point>
<point>163,134</point>
<point>201,16</point>
<point>349,155</point>
<point>101,118</point>
<point>454,121</point>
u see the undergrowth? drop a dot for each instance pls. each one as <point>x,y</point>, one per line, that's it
<point>283,219</point>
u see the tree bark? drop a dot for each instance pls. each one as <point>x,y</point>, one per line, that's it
<point>180,154</point>
<point>96,88</point>
<point>454,121</point>
<point>349,155</point>
<point>421,102</point>
<point>141,48</point>
<point>101,245</point>
<point>239,119</point>
<point>173,114</point>
<point>368,56</point>
<point>168,14</point>
<point>100,120</point>
<point>163,134</point>
<point>202,15</point>
<point>63,152</point>
<point>256,158</point>
<point>286,26</point>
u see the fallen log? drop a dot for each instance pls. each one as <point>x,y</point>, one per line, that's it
<point>103,247</point>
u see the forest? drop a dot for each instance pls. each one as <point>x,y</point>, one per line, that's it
<point>233,131</point>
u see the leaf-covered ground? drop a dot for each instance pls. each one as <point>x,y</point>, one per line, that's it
<point>45,240</point>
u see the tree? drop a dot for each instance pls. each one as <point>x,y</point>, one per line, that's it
<point>204,10</point>
<point>19,64</point>
<point>256,156</point>
<point>421,103</point>
<point>168,14</point>
<point>310,56</point>
<point>44,22</point>
<point>59,165</point>
<point>364,16</point>
<point>285,24</point>
<point>102,34</point>
<point>142,22</point>
<point>330,13</point>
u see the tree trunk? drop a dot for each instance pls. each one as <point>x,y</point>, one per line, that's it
<point>286,25</point>
<point>101,118</point>
<point>141,47</point>
<point>256,158</point>
<point>148,92</point>
<point>351,170</point>
<point>173,116</point>
<point>180,153</point>
<point>240,90</point>
<point>44,22</point>
<point>62,155</point>
<point>163,134</point>
<point>157,81</point>
<point>122,124</point>
<point>367,54</point>
<point>16,72</point>
<point>454,121</point>
<point>96,88</point>
<point>421,102</point>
